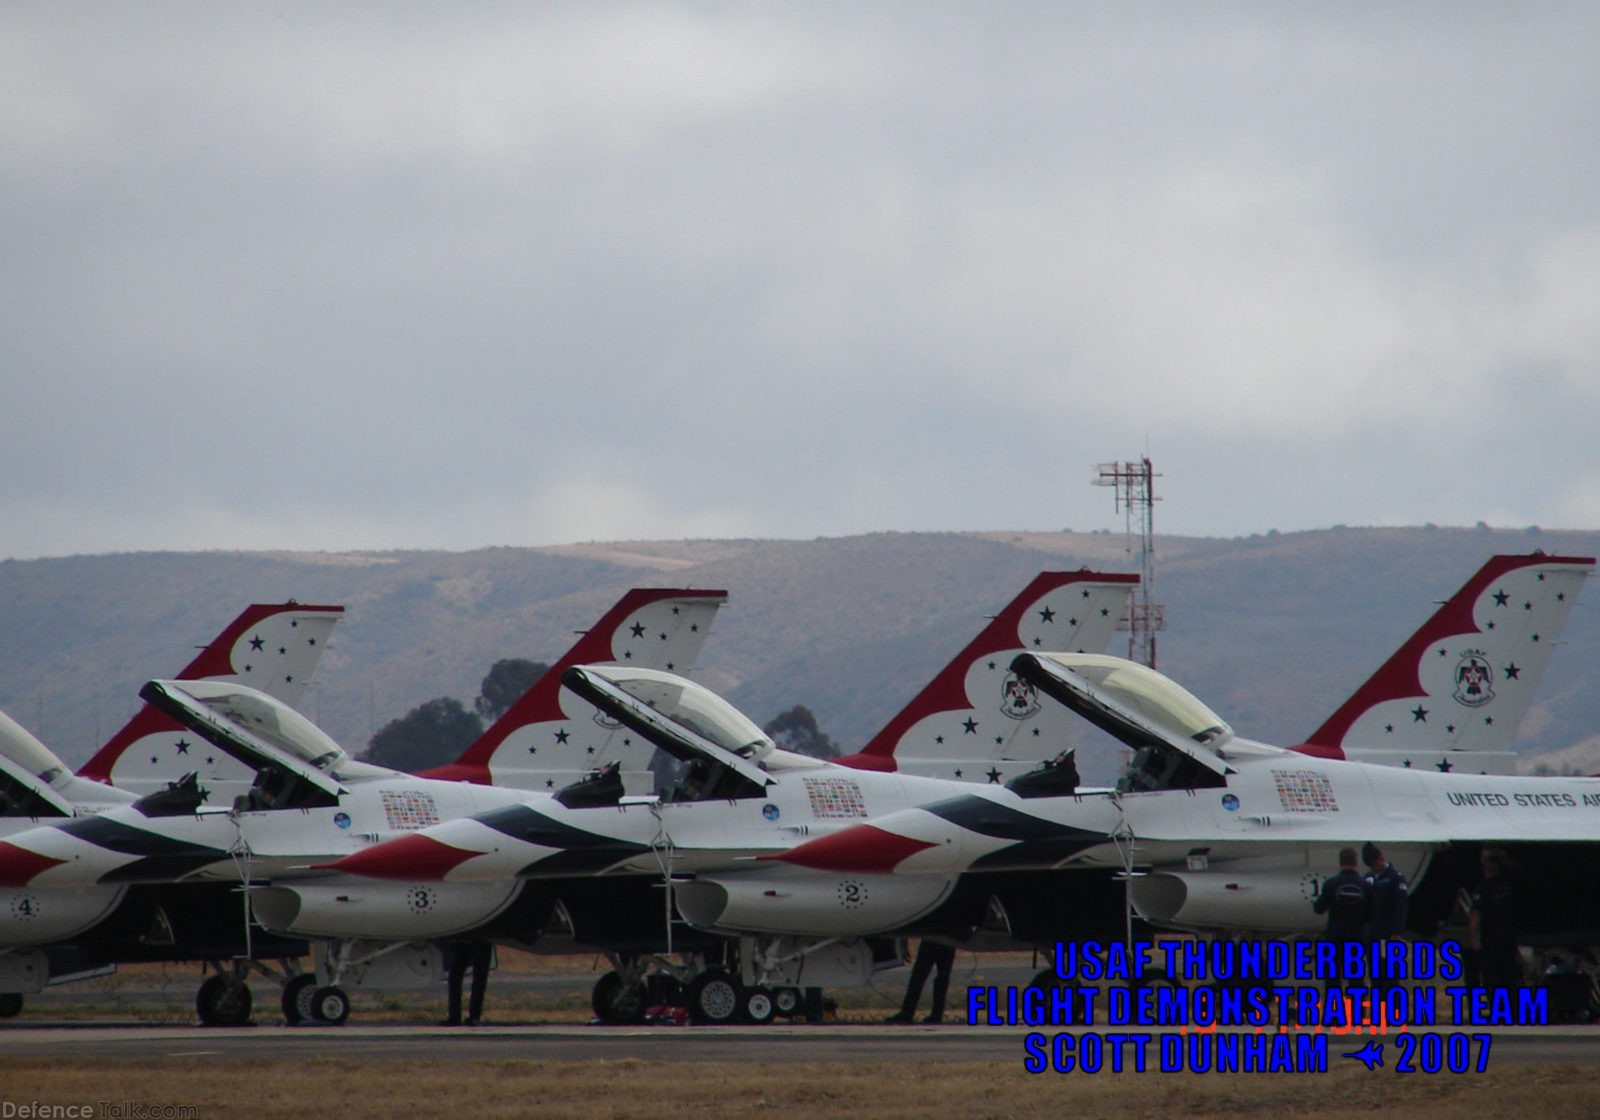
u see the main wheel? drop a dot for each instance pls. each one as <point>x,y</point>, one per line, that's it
<point>714,997</point>
<point>10,1005</point>
<point>617,1002</point>
<point>1046,980</point>
<point>757,1006</point>
<point>223,1002</point>
<point>1155,978</point>
<point>297,998</point>
<point>330,1005</point>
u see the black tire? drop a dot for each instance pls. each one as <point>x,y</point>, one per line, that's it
<point>714,997</point>
<point>757,1006</point>
<point>1155,978</point>
<point>297,998</point>
<point>1046,980</point>
<point>330,1005</point>
<point>617,1002</point>
<point>10,1005</point>
<point>788,1002</point>
<point>223,1002</point>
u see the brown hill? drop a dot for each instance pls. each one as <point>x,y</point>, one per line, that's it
<point>1272,630</point>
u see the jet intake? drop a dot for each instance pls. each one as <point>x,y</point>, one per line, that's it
<point>808,903</point>
<point>1248,901</point>
<point>29,917</point>
<point>379,910</point>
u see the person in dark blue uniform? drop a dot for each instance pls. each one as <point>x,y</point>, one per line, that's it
<point>1391,897</point>
<point>1492,923</point>
<point>931,956</point>
<point>1346,899</point>
<point>461,955</point>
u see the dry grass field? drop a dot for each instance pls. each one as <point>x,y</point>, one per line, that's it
<point>634,1090</point>
<point>349,1089</point>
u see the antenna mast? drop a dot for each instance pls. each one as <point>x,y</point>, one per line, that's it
<point>1135,492</point>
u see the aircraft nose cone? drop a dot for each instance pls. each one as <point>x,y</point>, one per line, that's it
<point>18,866</point>
<point>407,858</point>
<point>861,848</point>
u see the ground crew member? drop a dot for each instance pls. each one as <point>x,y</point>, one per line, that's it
<point>461,955</point>
<point>1492,925</point>
<point>1391,899</point>
<point>1346,899</point>
<point>931,955</point>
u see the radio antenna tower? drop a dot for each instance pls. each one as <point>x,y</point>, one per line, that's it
<point>1135,488</point>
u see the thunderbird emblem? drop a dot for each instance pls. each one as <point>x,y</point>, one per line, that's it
<point>1019,700</point>
<point>1474,680</point>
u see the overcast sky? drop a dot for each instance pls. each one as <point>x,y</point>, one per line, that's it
<point>330,276</point>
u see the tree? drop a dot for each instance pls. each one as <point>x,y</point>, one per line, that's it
<point>431,734</point>
<point>508,679</point>
<point>796,730</point>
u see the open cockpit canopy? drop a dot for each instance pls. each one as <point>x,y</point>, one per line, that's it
<point>1175,738</point>
<point>28,771</point>
<point>297,765</point>
<point>713,750</point>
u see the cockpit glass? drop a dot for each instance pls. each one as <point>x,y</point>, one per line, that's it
<point>269,720</point>
<point>1158,699</point>
<point>691,706</point>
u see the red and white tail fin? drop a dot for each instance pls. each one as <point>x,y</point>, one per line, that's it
<point>1454,694</point>
<point>274,647</point>
<point>550,738</point>
<point>975,721</point>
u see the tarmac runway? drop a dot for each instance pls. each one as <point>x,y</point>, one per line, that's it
<point>774,1043</point>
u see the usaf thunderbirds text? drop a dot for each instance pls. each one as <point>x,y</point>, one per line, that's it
<point>1256,1007</point>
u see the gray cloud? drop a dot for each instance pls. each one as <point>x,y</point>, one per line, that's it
<point>356,275</point>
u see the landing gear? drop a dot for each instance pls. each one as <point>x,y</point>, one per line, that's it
<point>786,1002</point>
<point>617,1001</point>
<point>10,1005</point>
<point>330,1005</point>
<point>223,1001</point>
<point>714,997</point>
<point>297,998</point>
<point>757,1006</point>
<point>1046,980</point>
<point>1155,977</point>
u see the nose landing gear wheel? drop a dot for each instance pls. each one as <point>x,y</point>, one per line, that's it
<point>330,1005</point>
<point>223,1002</point>
<point>786,1001</point>
<point>10,1004</point>
<point>714,997</point>
<point>758,1006</point>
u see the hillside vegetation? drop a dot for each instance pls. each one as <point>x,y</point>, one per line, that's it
<point>1272,631</point>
